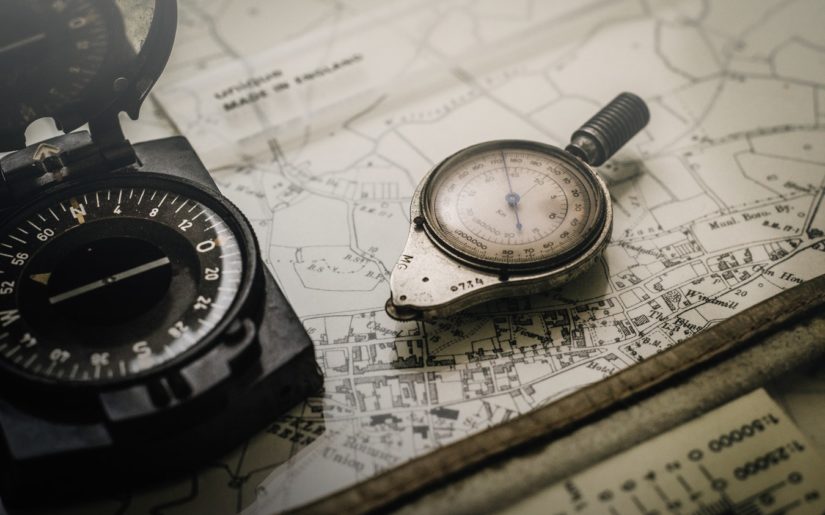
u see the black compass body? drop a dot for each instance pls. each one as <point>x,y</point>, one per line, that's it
<point>140,332</point>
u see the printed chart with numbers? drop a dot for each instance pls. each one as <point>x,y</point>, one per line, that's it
<point>746,457</point>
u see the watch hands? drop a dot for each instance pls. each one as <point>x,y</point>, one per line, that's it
<point>512,198</point>
<point>109,280</point>
<point>528,190</point>
<point>21,43</point>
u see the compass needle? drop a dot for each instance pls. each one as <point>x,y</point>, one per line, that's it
<point>9,47</point>
<point>86,288</point>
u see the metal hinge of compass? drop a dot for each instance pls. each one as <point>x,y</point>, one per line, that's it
<point>103,148</point>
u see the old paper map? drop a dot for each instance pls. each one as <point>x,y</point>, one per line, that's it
<point>319,118</point>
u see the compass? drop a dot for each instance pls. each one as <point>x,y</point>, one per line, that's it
<point>112,280</point>
<point>137,318</point>
<point>510,217</point>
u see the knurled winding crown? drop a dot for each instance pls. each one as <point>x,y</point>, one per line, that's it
<point>609,129</point>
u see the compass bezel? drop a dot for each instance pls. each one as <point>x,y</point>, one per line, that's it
<point>248,289</point>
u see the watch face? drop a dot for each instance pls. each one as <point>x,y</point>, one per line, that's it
<point>514,205</point>
<point>113,280</point>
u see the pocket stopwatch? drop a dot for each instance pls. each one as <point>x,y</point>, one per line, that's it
<point>510,217</point>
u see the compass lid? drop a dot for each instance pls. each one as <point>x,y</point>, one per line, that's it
<point>79,61</point>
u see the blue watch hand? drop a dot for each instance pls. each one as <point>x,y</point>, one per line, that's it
<point>512,198</point>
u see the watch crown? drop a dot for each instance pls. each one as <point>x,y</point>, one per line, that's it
<point>609,129</point>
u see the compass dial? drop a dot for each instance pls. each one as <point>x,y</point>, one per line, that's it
<point>50,52</point>
<point>513,205</point>
<point>109,281</point>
